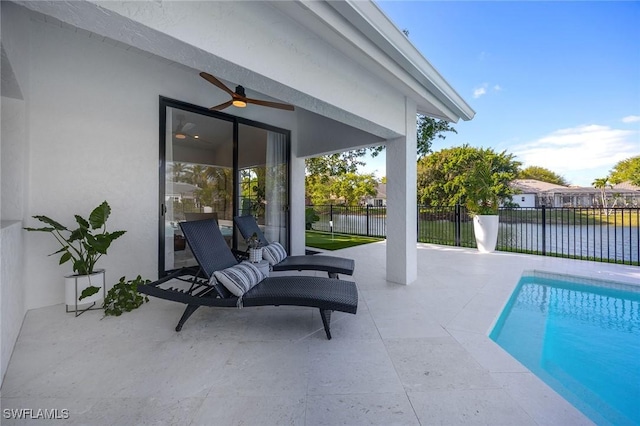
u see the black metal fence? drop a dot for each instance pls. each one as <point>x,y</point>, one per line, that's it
<point>354,220</point>
<point>604,235</point>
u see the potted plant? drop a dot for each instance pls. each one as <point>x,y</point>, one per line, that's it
<point>83,246</point>
<point>124,296</point>
<point>482,201</point>
<point>255,249</point>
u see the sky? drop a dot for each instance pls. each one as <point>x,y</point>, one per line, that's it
<point>557,84</point>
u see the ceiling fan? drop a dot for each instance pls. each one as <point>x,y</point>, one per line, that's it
<point>239,98</point>
<point>182,128</point>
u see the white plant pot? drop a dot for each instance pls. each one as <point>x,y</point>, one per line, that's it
<point>485,228</point>
<point>74,284</point>
<point>255,255</point>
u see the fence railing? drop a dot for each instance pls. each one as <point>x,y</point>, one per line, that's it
<point>604,235</point>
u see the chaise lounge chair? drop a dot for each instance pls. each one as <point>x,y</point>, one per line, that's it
<point>333,265</point>
<point>213,254</point>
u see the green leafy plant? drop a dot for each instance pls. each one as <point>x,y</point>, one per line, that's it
<point>124,296</point>
<point>253,241</point>
<point>310,217</point>
<point>482,194</point>
<point>84,245</point>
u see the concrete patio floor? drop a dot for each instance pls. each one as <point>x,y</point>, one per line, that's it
<point>415,354</point>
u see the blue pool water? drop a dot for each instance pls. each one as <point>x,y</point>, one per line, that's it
<point>582,337</point>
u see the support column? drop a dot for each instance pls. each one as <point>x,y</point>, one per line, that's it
<point>296,199</point>
<point>402,234</point>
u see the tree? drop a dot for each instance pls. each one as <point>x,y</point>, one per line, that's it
<point>335,164</point>
<point>542,174</point>
<point>427,130</point>
<point>353,187</point>
<point>350,188</point>
<point>602,184</point>
<point>443,176</point>
<point>626,170</point>
<point>178,170</point>
<point>321,173</point>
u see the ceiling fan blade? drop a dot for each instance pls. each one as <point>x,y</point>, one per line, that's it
<point>270,104</point>
<point>188,126</point>
<point>211,79</point>
<point>221,106</point>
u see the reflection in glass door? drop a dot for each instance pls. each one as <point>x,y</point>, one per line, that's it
<point>198,181</point>
<point>263,181</point>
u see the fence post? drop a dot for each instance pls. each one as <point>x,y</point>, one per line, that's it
<point>458,225</point>
<point>544,230</point>
<point>331,215</point>
<point>367,220</point>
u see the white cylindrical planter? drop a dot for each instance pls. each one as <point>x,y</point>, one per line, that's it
<point>74,284</point>
<point>255,255</point>
<point>485,228</point>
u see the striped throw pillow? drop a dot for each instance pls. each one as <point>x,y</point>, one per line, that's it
<point>274,253</point>
<point>240,278</point>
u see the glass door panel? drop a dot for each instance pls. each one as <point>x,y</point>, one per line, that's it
<point>263,184</point>
<point>198,181</point>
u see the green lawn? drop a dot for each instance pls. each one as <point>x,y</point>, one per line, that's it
<point>325,241</point>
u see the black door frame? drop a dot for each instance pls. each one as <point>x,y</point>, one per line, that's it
<point>165,103</point>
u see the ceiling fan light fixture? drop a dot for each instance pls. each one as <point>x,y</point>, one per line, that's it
<point>181,136</point>
<point>239,98</point>
<point>239,103</point>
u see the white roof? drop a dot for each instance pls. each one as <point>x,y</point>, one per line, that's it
<point>535,186</point>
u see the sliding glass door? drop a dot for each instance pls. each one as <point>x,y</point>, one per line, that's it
<point>263,183</point>
<point>214,165</point>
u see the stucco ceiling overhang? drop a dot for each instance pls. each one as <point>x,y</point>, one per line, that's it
<point>364,33</point>
<point>372,39</point>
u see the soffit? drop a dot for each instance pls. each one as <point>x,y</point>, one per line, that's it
<point>365,34</point>
<point>93,20</point>
<point>360,31</point>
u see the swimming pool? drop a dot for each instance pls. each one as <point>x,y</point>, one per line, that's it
<point>582,337</point>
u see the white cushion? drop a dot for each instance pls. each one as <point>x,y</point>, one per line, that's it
<point>274,253</point>
<point>240,278</point>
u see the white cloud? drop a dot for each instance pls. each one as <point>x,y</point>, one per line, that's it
<point>479,91</point>
<point>580,154</point>
<point>631,119</point>
<point>482,90</point>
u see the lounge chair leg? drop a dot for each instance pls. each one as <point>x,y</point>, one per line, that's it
<point>326,321</point>
<point>190,309</point>
<point>333,275</point>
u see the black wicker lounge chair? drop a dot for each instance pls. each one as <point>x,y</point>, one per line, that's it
<point>333,265</point>
<point>213,254</point>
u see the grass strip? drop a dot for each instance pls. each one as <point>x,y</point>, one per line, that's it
<point>326,241</point>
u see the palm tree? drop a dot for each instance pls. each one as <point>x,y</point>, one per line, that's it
<point>178,170</point>
<point>602,184</point>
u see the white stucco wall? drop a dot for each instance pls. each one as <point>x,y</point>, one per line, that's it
<point>12,308</point>
<point>93,136</point>
<point>525,200</point>
<point>276,47</point>
<point>254,44</point>
<point>13,178</point>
